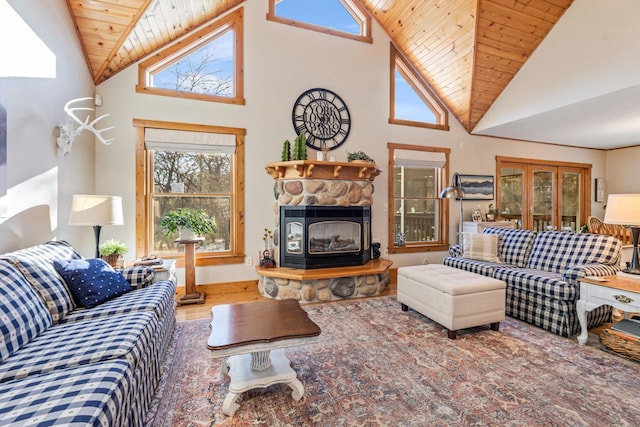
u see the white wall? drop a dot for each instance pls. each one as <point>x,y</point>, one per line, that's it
<point>622,171</point>
<point>40,181</point>
<point>280,63</point>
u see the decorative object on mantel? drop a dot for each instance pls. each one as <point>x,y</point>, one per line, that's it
<point>360,156</point>
<point>624,209</point>
<point>111,251</point>
<point>286,151</point>
<point>322,117</point>
<point>189,223</point>
<point>322,170</point>
<point>299,148</point>
<point>66,134</point>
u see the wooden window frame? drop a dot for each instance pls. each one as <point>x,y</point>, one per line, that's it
<point>144,183</point>
<point>187,45</point>
<point>583,168</point>
<point>421,87</point>
<point>443,226</point>
<point>354,9</point>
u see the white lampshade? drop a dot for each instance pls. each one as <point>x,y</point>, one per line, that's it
<point>623,209</point>
<point>89,209</point>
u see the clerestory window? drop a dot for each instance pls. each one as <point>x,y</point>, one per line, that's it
<point>190,166</point>
<point>343,18</point>
<point>412,102</point>
<point>207,65</point>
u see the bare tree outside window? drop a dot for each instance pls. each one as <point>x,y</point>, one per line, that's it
<point>208,70</point>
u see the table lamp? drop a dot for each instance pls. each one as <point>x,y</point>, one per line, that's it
<point>96,211</point>
<point>455,191</point>
<point>624,209</point>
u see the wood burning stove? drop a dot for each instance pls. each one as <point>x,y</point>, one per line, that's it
<point>324,236</point>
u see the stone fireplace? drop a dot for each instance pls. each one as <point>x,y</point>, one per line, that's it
<point>323,213</point>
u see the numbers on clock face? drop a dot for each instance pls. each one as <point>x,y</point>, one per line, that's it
<point>324,118</point>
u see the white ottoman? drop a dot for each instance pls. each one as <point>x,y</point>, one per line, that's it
<point>454,298</point>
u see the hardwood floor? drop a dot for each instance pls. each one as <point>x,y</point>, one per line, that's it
<point>228,294</point>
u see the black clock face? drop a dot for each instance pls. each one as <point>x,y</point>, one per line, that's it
<point>323,117</point>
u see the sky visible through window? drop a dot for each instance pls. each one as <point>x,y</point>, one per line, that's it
<point>408,104</point>
<point>325,13</point>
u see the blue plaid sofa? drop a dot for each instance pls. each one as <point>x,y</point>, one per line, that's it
<point>541,270</point>
<point>63,364</point>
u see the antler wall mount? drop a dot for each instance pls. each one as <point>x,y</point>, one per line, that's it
<point>66,134</point>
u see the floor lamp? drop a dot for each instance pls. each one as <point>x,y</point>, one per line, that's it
<point>624,209</point>
<point>455,191</point>
<point>96,211</point>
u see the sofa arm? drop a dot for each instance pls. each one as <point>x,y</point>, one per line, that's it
<point>139,276</point>
<point>573,274</point>
<point>456,251</point>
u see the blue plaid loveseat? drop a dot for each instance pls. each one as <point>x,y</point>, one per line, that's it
<point>63,364</point>
<point>542,269</point>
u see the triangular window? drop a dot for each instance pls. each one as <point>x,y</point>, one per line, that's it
<point>207,65</point>
<point>412,101</point>
<point>341,18</point>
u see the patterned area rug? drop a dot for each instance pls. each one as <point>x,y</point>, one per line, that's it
<point>376,365</point>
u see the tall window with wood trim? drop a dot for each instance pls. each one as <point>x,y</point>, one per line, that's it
<point>542,194</point>
<point>412,102</point>
<point>194,166</point>
<point>342,18</point>
<point>415,209</point>
<point>206,66</point>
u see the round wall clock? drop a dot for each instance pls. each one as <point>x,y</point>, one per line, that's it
<point>323,117</point>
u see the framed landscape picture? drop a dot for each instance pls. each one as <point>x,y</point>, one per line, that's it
<point>477,187</point>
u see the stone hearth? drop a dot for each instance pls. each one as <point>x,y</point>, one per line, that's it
<point>325,284</point>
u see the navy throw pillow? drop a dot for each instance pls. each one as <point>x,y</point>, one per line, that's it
<point>92,281</point>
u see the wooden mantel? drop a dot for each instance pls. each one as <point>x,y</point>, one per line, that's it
<point>310,169</point>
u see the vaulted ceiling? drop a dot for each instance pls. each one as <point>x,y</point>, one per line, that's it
<point>468,50</point>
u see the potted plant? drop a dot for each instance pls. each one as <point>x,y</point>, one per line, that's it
<point>111,251</point>
<point>359,156</point>
<point>189,223</point>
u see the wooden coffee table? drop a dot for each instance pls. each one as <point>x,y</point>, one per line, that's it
<point>254,335</point>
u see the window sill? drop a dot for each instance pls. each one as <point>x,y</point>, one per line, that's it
<point>435,247</point>
<point>204,260</point>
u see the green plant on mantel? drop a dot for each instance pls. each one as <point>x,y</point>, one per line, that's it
<point>193,219</point>
<point>112,247</point>
<point>359,155</point>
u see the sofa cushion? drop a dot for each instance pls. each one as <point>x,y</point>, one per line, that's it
<point>138,276</point>
<point>158,299</point>
<point>539,282</point>
<point>89,395</point>
<point>23,316</point>
<point>481,247</point>
<point>555,251</point>
<point>36,264</point>
<point>514,246</point>
<point>92,281</point>
<point>484,268</point>
<point>127,336</point>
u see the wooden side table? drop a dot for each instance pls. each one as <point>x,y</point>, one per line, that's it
<point>191,296</point>
<point>616,291</point>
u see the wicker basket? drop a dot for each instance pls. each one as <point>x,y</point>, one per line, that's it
<point>620,345</point>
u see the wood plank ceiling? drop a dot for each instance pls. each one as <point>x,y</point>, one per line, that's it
<point>468,50</point>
